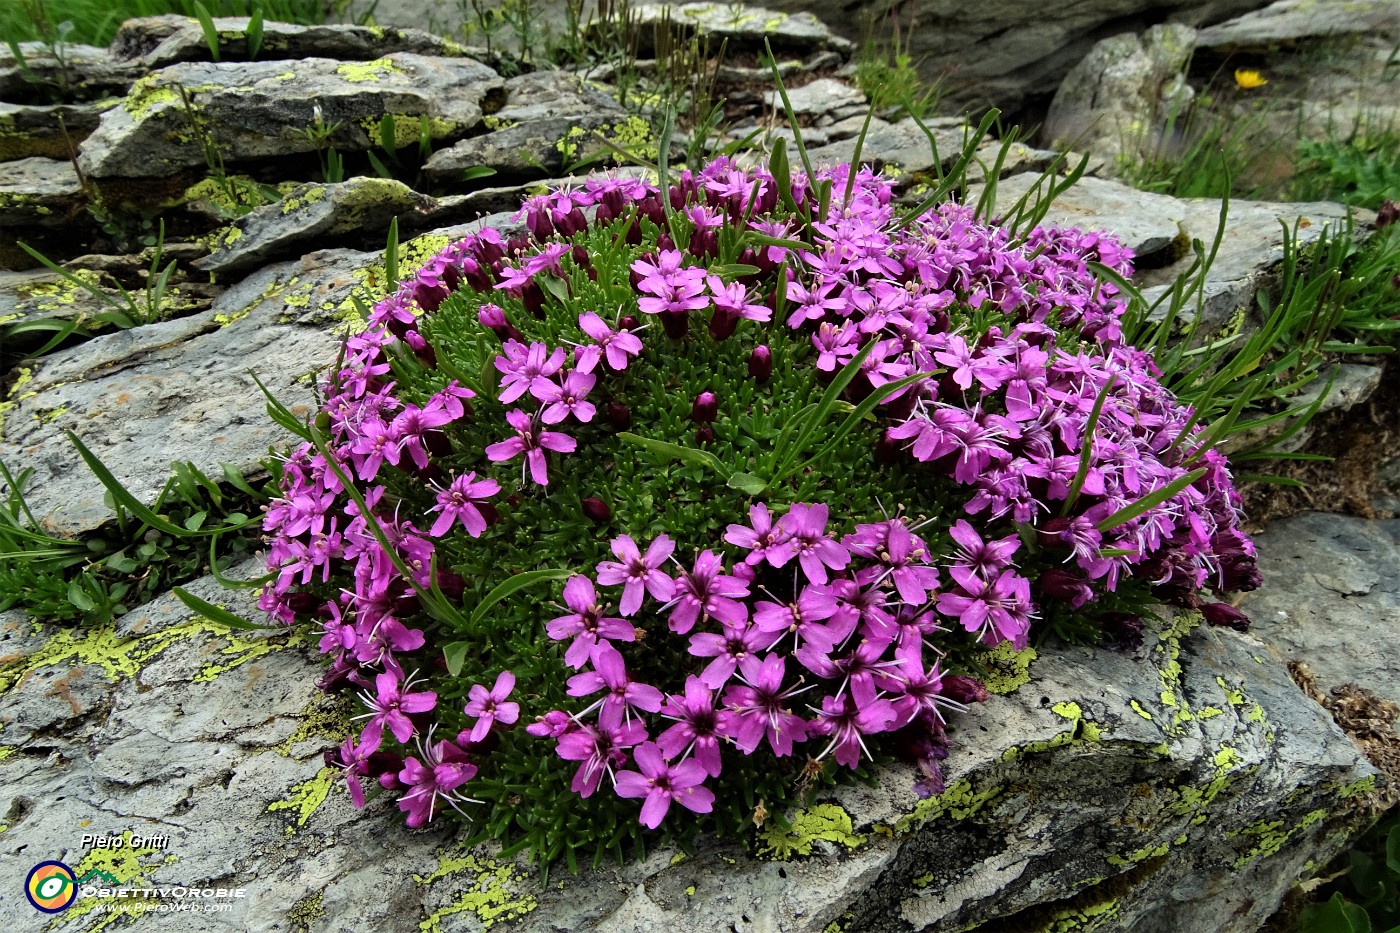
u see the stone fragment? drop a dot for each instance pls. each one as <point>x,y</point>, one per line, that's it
<point>37,192</point>
<point>744,28</point>
<point>1331,598</point>
<point>84,72</point>
<point>1344,386</point>
<point>157,41</point>
<point>258,110</point>
<point>822,102</point>
<point>28,130</point>
<point>361,205</point>
<point>1126,93</point>
<point>902,145</point>
<point>1288,21</point>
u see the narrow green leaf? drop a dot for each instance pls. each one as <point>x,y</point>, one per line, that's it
<point>1149,501</point>
<point>676,452</point>
<point>195,521</point>
<point>1086,453</point>
<point>513,585</point>
<point>455,654</point>
<point>219,614</point>
<point>206,23</point>
<point>254,35</point>
<point>477,171</point>
<point>388,141</point>
<point>391,258</point>
<point>859,413</point>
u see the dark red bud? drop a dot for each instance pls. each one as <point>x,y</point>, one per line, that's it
<point>629,322</point>
<point>452,585</point>
<point>488,512</point>
<point>580,257</point>
<point>887,449</point>
<point>964,689</point>
<point>1388,214</point>
<point>722,324</point>
<point>1226,616</point>
<point>303,602</point>
<point>596,509</point>
<point>704,408</point>
<point>675,323</point>
<point>618,416</point>
<point>761,364</point>
<point>705,436</point>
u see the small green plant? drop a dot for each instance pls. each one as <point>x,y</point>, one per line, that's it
<point>1366,890</point>
<point>128,310</point>
<point>206,23</point>
<point>1362,169</point>
<point>319,134</point>
<point>56,38</point>
<point>887,73</point>
<point>95,22</point>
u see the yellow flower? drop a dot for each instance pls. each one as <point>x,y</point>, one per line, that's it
<point>1247,79</point>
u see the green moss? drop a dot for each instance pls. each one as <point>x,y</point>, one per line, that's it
<point>307,195</point>
<point>1364,786</point>
<point>1004,669</point>
<point>958,802</point>
<point>1270,836</point>
<point>322,718</point>
<point>306,912</point>
<point>359,72</point>
<point>492,891</point>
<point>1137,708</point>
<point>305,799</point>
<point>1141,855</point>
<point>923,881</point>
<point>825,821</point>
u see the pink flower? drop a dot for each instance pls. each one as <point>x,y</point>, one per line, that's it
<point>561,402</point>
<point>586,623</point>
<point>617,346</point>
<point>531,444</point>
<point>638,573</point>
<point>622,694</point>
<point>459,501</point>
<point>490,706</point>
<point>662,784</point>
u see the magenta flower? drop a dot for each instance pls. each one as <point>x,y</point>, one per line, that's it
<point>729,650</point>
<point>491,706</point>
<point>695,731</point>
<point>706,591</point>
<point>761,538</point>
<point>848,722</point>
<point>586,624</point>
<point>532,444</point>
<point>669,285</point>
<point>805,528</point>
<point>353,763</point>
<point>759,708</point>
<point>391,705</point>
<point>996,611</point>
<point>376,443</point>
<point>444,768</point>
<point>622,694</point>
<point>598,750</point>
<point>799,618</point>
<point>984,558</point>
<point>459,501</point>
<point>561,402</point>
<point>527,368</point>
<point>638,573</point>
<point>903,558</point>
<point>662,784</point>
<point>618,346</point>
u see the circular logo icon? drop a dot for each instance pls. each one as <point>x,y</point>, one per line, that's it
<point>51,887</point>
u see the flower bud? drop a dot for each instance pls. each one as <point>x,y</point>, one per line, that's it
<point>722,323</point>
<point>629,322</point>
<point>705,436</point>
<point>675,323</point>
<point>596,509</point>
<point>1226,616</point>
<point>761,364</point>
<point>887,449</point>
<point>1388,214</point>
<point>618,416</point>
<point>964,689</point>
<point>704,408</point>
<point>452,585</point>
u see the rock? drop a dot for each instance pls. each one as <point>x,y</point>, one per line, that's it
<point>743,28</point>
<point>1344,385</point>
<point>1009,52</point>
<point>157,41</point>
<point>40,294</point>
<point>28,130</point>
<point>548,125</point>
<point>361,205</point>
<point>39,192</point>
<point>84,73</point>
<point>1191,780</point>
<point>1146,223</point>
<point>823,102</point>
<point>257,110</point>
<point>1251,249</point>
<point>1126,93</point>
<point>1288,21</point>
<point>903,145</point>
<point>1331,598</point>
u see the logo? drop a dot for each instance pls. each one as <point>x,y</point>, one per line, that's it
<point>51,887</point>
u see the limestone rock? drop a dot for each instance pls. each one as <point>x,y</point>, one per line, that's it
<point>1297,20</point>
<point>1191,781</point>
<point>28,130</point>
<point>902,145</point>
<point>548,124</point>
<point>1126,93</point>
<point>823,102</point>
<point>85,73</point>
<point>1344,386</point>
<point>39,192</point>
<point>256,110</point>
<point>1146,223</point>
<point>361,205</point>
<point>1331,598</point>
<point>742,27</point>
<point>157,41</point>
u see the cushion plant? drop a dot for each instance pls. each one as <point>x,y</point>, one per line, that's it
<point>705,493</point>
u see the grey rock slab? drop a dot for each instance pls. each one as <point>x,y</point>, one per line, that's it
<point>1340,386</point>
<point>743,27</point>
<point>38,129</point>
<point>157,41</point>
<point>362,205</point>
<point>1190,780</point>
<point>258,110</point>
<point>902,145</point>
<point>1331,598</point>
<point>85,71</point>
<point>552,94</point>
<point>532,149</point>
<point>825,100</point>
<point>37,192</point>
<point>1118,100</point>
<point>1146,223</point>
<point>1296,20</point>
<point>1250,251</point>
